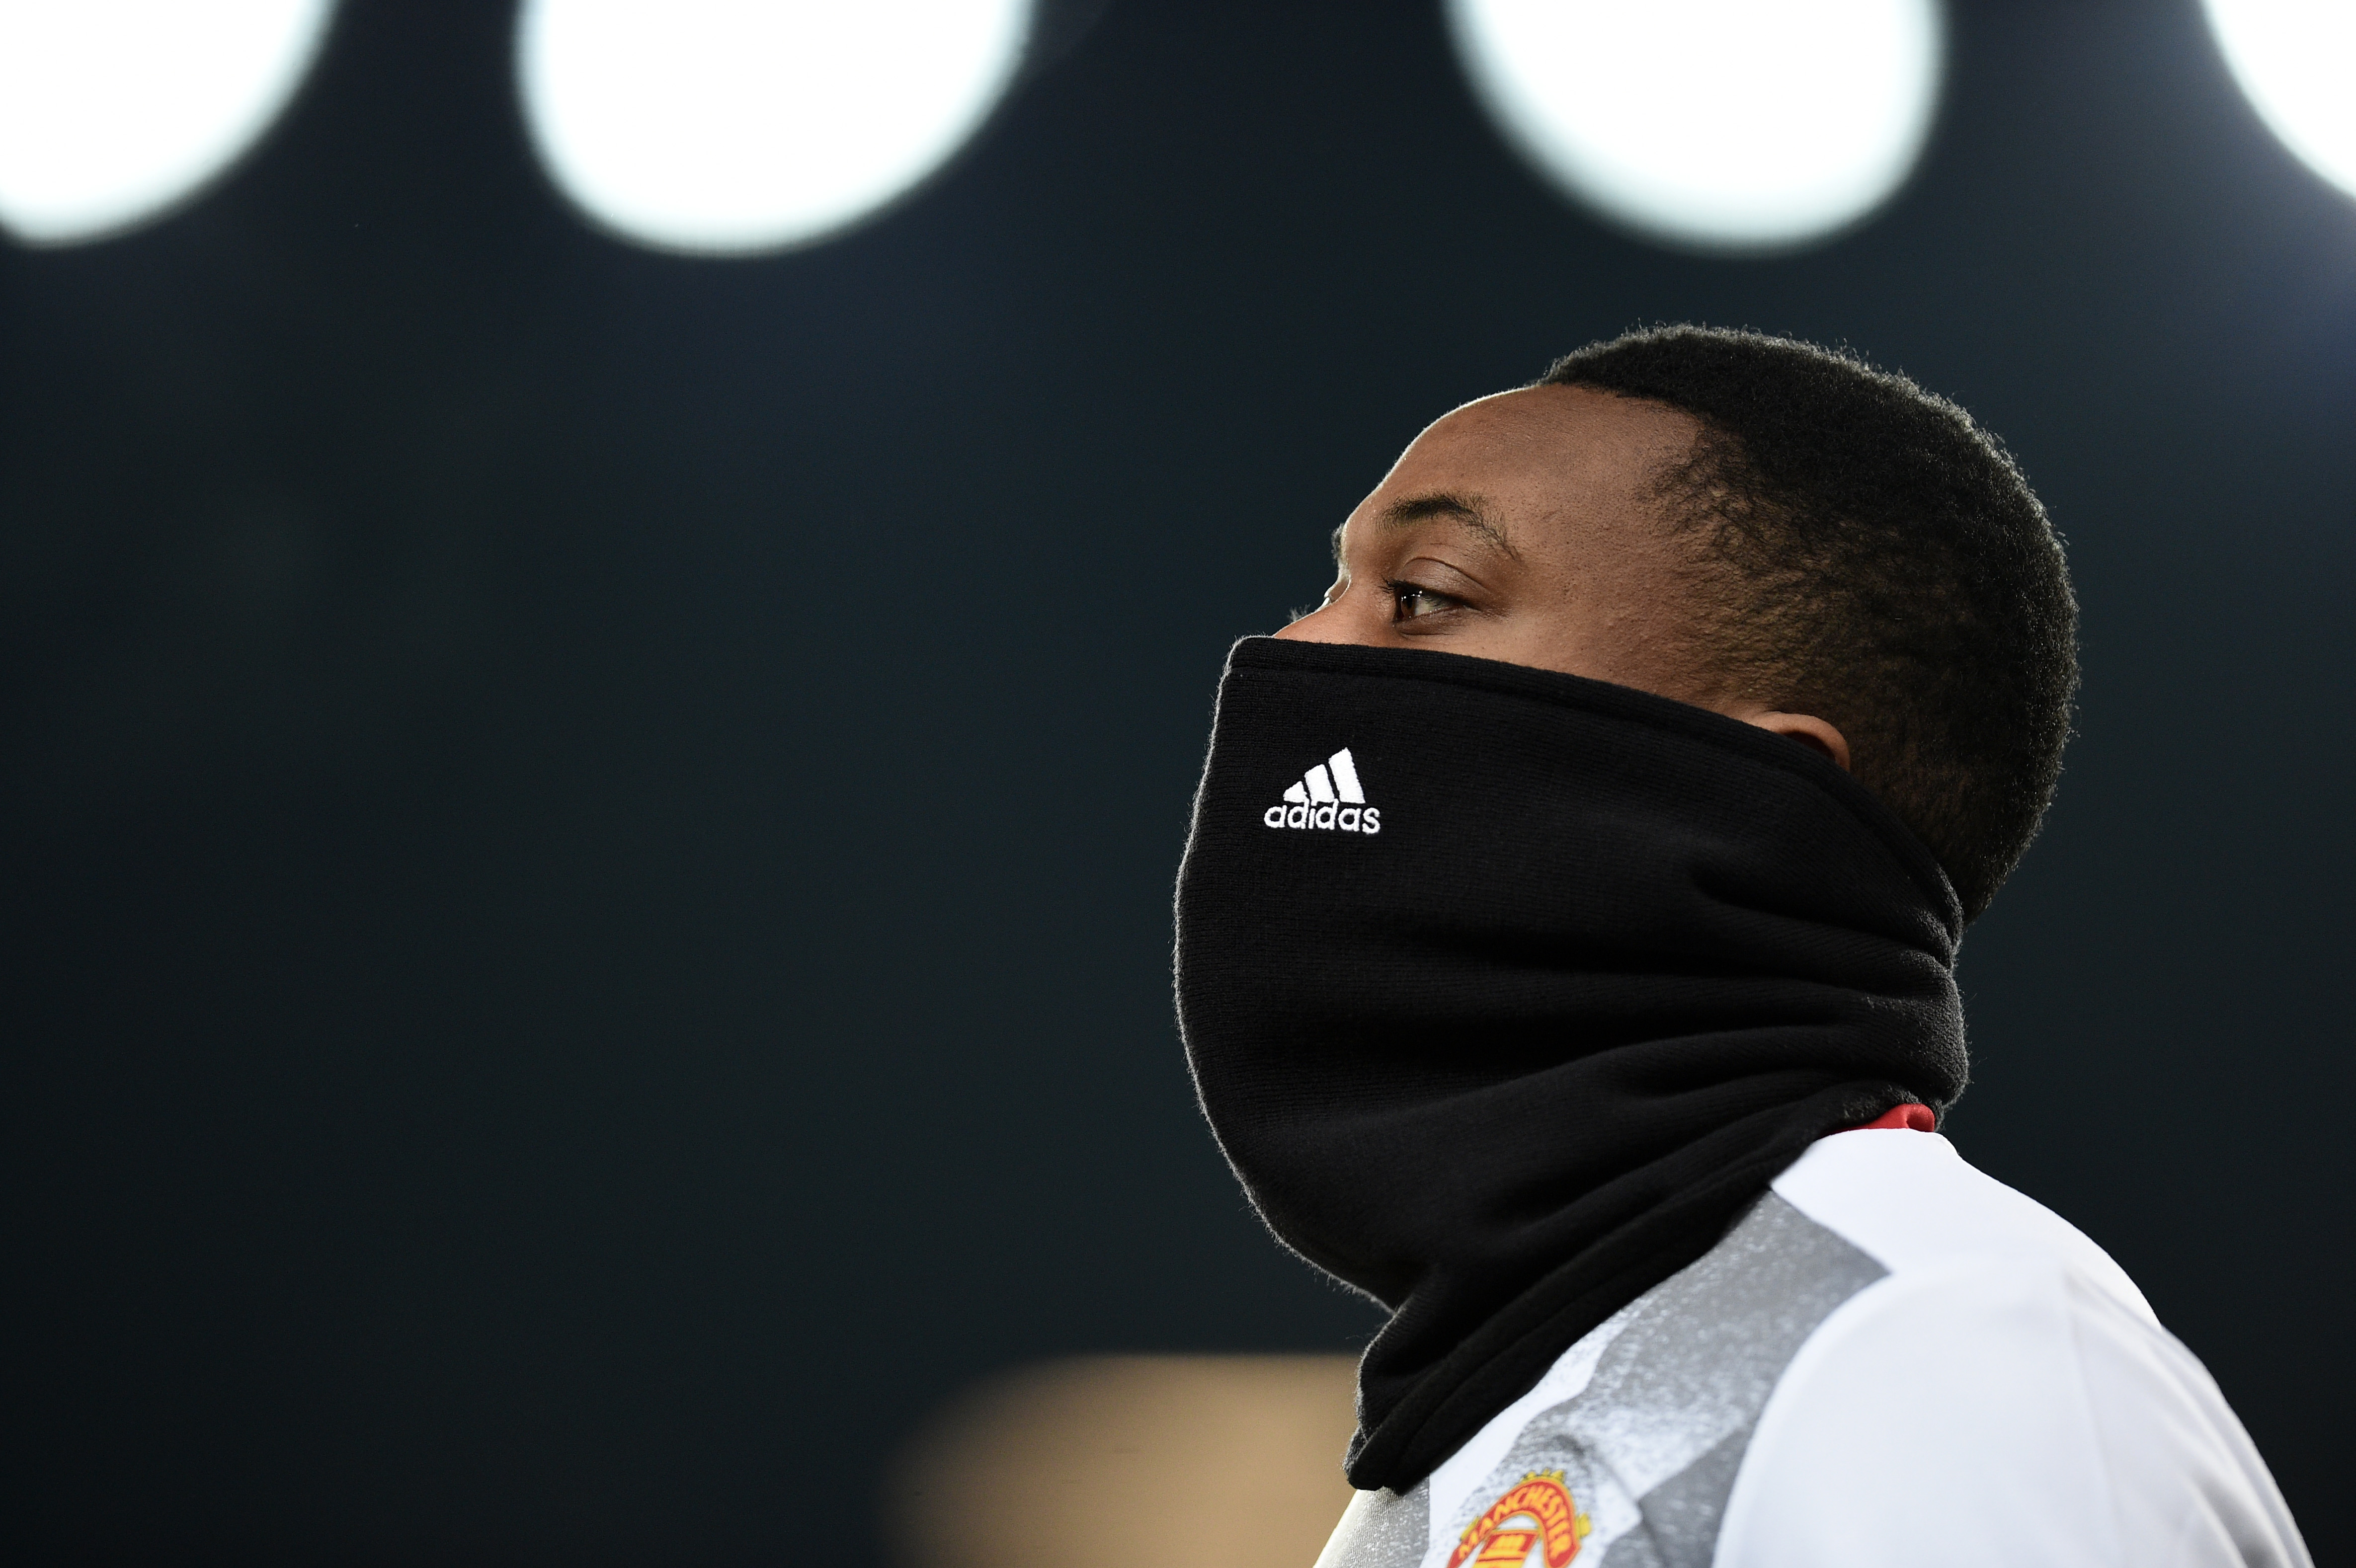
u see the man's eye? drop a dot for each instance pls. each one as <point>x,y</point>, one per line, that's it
<point>1409,603</point>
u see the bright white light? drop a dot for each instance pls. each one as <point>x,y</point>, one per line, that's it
<point>2297,62</point>
<point>114,112</point>
<point>1716,125</point>
<point>737,125</point>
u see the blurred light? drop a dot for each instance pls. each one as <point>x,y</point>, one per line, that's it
<point>1147,1461</point>
<point>114,112</point>
<point>1746,126</point>
<point>2297,62</point>
<point>738,125</point>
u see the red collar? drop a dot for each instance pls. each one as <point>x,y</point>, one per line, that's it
<point>1908,1119</point>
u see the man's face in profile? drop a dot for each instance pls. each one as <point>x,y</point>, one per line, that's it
<point>1526,527</point>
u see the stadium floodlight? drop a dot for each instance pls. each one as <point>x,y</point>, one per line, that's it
<point>1717,125</point>
<point>734,126</point>
<point>114,112</point>
<point>2296,61</point>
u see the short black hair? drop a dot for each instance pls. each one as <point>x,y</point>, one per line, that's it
<point>1884,565</point>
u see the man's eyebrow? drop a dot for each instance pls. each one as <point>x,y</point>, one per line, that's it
<point>1464,509</point>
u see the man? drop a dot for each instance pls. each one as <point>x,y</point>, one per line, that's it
<point>1565,959</point>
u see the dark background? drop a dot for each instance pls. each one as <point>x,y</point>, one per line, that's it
<point>587,832</point>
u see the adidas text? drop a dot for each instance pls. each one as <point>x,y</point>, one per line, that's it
<point>1329,796</point>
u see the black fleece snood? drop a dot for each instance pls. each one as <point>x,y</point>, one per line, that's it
<point>1505,992</point>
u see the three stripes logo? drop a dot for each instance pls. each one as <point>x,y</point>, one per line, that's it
<point>1329,797</point>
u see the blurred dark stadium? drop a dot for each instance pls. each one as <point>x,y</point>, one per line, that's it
<point>588,822</point>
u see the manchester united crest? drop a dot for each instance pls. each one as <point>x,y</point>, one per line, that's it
<point>1534,1525</point>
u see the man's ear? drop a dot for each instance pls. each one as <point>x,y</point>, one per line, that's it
<point>1808,730</point>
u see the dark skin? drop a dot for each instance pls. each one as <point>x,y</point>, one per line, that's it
<point>1522,527</point>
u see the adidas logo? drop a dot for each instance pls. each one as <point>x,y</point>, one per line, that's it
<point>1328,795</point>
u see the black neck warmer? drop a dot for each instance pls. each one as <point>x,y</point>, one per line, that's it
<point>1506,991</point>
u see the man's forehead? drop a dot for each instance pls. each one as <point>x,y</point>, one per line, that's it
<point>1486,465</point>
<point>1542,424</point>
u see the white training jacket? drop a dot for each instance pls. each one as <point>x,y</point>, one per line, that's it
<point>1892,1362</point>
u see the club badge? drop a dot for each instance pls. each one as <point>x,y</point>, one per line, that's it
<point>1534,1525</point>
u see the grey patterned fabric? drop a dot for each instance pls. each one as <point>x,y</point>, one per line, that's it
<point>1650,1447</point>
<point>1381,1530</point>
